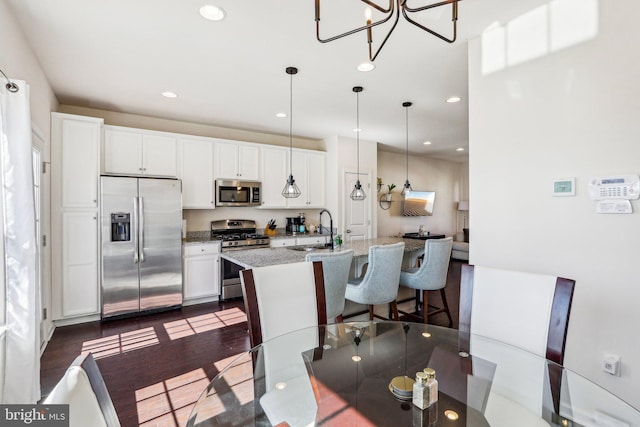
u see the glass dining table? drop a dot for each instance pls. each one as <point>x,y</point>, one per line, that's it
<point>362,373</point>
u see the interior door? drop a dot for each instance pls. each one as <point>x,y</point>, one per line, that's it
<point>357,214</point>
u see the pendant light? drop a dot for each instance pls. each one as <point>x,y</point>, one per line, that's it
<point>358,193</point>
<point>291,190</point>
<point>407,186</point>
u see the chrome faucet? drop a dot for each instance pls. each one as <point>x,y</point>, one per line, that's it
<point>330,226</point>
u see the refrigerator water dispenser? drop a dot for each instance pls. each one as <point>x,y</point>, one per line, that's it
<point>120,227</point>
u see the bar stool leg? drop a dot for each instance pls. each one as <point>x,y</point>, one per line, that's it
<point>425,305</point>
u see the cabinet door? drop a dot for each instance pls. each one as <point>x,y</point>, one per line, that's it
<point>122,152</point>
<point>274,175</point>
<point>196,172</point>
<point>80,264</point>
<point>80,163</point>
<point>316,181</point>
<point>226,160</point>
<point>299,168</point>
<point>248,163</point>
<point>201,271</point>
<point>159,155</point>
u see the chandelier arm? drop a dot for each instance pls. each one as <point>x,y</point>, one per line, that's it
<point>375,6</point>
<point>356,30</point>
<point>393,27</point>
<point>429,6</point>
<point>454,19</point>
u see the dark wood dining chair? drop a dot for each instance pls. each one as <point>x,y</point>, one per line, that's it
<point>84,390</point>
<point>528,311</point>
<point>282,298</point>
<point>283,304</point>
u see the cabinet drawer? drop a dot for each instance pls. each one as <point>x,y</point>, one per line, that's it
<point>278,243</point>
<point>312,240</point>
<point>201,249</point>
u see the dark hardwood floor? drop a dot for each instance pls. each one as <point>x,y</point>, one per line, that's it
<point>155,366</point>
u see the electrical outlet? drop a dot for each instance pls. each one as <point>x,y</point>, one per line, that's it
<point>611,364</point>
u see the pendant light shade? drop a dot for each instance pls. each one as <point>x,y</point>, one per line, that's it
<point>291,190</point>
<point>407,185</point>
<point>358,193</point>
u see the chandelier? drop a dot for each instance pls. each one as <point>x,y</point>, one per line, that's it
<point>391,11</point>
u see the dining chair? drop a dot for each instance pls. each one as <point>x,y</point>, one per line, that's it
<point>530,312</point>
<point>379,284</point>
<point>84,390</point>
<point>280,299</point>
<point>335,267</point>
<point>430,276</point>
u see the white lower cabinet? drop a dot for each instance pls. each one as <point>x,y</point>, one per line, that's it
<point>201,271</point>
<point>281,243</point>
<point>312,240</point>
<point>80,264</point>
<point>298,240</point>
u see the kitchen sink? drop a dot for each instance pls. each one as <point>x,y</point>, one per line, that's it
<point>308,248</point>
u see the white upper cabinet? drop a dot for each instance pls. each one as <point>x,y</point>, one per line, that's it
<point>130,151</point>
<point>79,142</point>
<point>196,172</point>
<point>236,161</point>
<point>274,176</point>
<point>309,174</point>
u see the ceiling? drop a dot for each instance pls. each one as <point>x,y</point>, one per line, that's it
<point>120,55</point>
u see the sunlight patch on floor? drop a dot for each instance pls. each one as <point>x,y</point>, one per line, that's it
<point>169,403</point>
<point>206,322</point>
<point>121,343</point>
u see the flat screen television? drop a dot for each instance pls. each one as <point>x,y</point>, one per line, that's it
<point>418,203</point>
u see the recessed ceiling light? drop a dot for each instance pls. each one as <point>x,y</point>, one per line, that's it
<point>212,13</point>
<point>366,66</point>
<point>168,94</point>
<point>281,115</point>
<point>427,143</point>
<point>453,99</point>
<point>459,149</point>
<point>356,358</point>
<point>357,130</point>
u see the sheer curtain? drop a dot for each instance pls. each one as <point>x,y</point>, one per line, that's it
<point>20,307</point>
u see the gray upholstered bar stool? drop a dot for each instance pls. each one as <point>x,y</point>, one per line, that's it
<point>431,275</point>
<point>379,284</point>
<point>335,267</point>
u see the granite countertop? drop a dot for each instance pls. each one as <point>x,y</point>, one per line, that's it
<point>205,236</point>
<point>249,258</point>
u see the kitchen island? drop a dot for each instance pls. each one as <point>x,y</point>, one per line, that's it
<point>250,258</point>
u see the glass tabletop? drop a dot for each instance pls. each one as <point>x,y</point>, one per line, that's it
<point>361,374</point>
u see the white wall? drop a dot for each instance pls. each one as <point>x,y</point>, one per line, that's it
<point>448,179</point>
<point>18,62</point>
<point>568,111</point>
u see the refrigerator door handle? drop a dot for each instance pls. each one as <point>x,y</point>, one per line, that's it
<point>141,229</point>
<point>135,230</point>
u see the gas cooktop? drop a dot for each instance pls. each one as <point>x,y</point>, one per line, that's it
<point>238,233</point>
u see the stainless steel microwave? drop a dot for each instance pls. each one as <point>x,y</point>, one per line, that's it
<point>237,193</point>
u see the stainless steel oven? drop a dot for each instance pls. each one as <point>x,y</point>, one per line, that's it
<point>237,193</point>
<point>235,234</point>
<point>231,286</point>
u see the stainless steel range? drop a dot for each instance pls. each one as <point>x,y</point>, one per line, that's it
<point>235,234</point>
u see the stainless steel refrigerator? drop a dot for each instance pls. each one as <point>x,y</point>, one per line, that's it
<point>141,222</point>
